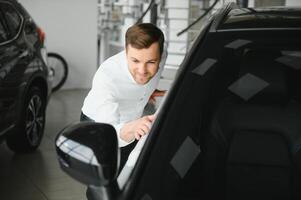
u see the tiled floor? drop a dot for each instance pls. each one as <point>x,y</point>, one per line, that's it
<point>37,176</point>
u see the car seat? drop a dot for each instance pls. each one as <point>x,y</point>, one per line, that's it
<point>256,141</point>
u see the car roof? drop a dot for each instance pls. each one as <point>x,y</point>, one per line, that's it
<point>261,18</point>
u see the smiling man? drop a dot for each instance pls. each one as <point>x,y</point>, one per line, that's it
<point>125,82</point>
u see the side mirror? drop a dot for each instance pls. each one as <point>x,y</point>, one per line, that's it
<point>89,153</point>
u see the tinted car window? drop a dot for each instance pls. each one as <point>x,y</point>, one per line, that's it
<point>234,81</point>
<point>13,18</point>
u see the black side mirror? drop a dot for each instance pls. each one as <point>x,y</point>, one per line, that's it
<point>89,153</point>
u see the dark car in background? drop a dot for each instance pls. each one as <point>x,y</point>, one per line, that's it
<point>24,78</point>
<point>229,127</point>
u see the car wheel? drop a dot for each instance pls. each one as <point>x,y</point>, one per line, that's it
<point>29,130</point>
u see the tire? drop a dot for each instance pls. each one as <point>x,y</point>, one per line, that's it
<point>29,130</point>
<point>59,67</point>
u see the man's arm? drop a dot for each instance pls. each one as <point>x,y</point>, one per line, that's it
<point>102,106</point>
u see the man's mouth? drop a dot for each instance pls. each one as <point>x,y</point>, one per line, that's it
<point>142,75</point>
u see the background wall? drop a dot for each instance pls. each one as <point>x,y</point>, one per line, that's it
<point>71,30</point>
<point>293,2</point>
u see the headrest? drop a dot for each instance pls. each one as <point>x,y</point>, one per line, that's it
<point>262,80</point>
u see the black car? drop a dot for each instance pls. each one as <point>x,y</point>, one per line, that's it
<point>228,129</point>
<point>24,78</point>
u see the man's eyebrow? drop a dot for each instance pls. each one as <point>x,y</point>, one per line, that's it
<point>134,58</point>
<point>152,60</point>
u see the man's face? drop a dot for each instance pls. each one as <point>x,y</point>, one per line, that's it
<point>143,63</point>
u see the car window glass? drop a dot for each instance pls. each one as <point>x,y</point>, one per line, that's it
<point>232,82</point>
<point>13,19</point>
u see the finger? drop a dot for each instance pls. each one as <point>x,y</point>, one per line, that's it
<point>141,131</point>
<point>148,124</point>
<point>145,129</point>
<point>146,119</point>
<point>151,118</point>
<point>137,136</point>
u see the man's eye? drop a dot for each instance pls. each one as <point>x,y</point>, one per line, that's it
<point>135,61</point>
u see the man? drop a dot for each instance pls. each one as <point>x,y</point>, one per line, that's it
<point>125,82</point>
<point>123,85</point>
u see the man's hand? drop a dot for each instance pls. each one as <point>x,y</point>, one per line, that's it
<point>137,128</point>
<point>156,93</point>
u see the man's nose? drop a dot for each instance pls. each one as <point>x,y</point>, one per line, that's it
<point>142,68</point>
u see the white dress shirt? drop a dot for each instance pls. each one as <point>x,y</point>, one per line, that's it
<point>115,97</point>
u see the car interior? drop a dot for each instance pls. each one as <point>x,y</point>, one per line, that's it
<point>256,140</point>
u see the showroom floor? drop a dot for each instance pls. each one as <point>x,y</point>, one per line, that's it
<point>37,176</point>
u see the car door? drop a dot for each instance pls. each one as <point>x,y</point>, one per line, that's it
<point>4,37</point>
<point>12,63</point>
<point>186,156</point>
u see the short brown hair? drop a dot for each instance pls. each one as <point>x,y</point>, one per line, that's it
<point>143,35</point>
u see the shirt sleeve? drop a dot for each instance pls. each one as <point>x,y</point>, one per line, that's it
<point>102,105</point>
<point>121,142</point>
